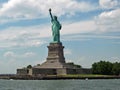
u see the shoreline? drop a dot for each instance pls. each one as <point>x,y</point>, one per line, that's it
<point>54,77</point>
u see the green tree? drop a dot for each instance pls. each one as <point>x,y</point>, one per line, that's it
<point>116,68</point>
<point>94,68</point>
<point>38,64</point>
<point>29,66</point>
<point>102,67</point>
<point>78,66</point>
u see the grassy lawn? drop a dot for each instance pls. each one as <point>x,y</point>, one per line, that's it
<point>83,75</point>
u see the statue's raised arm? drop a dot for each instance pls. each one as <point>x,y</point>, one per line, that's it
<point>50,14</point>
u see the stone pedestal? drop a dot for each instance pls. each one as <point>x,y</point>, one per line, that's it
<point>55,58</point>
<point>55,53</point>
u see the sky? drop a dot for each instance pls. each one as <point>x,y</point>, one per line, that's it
<point>90,31</point>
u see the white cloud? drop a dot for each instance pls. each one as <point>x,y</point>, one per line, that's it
<point>79,27</point>
<point>12,60</point>
<point>80,37</point>
<point>13,55</point>
<point>29,54</point>
<point>115,59</point>
<point>33,36</point>
<point>84,61</point>
<point>29,9</point>
<point>108,4</point>
<point>9,54</point>
<point>109,21</point>
<point>67,52</point>
<point>23,37</point>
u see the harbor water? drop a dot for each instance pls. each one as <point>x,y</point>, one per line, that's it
<point>97,84</point>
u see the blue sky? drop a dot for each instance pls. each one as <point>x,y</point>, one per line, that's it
<point>90,31</point>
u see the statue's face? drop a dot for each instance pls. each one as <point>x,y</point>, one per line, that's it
<point>55,17</point>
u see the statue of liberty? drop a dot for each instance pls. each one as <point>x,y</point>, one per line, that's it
<point>56,26</point>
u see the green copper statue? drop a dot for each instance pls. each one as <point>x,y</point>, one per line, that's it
<point>56,26</point>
